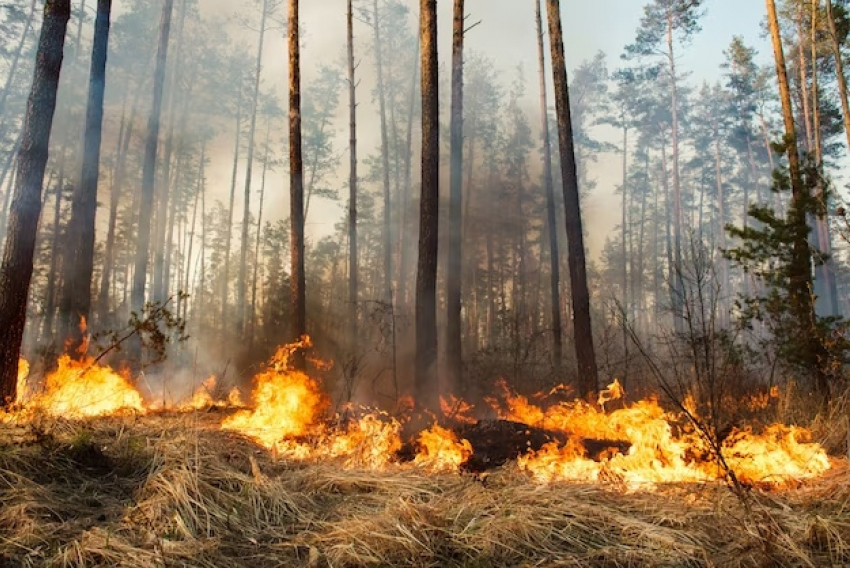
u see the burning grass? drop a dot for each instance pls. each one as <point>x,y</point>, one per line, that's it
<point>133,482</point>
<point>175,490</point>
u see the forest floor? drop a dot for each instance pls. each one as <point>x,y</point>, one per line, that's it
<point>174,490</point>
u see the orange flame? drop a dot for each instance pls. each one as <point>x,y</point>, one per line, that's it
<point>80,389</point>
<point>439,449</point>
<point>285,402</point>
<point>657,454</point>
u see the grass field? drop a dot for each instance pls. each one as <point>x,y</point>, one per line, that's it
<point>169,490</point>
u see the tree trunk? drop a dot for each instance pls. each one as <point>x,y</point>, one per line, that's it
<point>385,167</point>
<point>159,279</point>
<point>79,259</point>
<point>454,346</point>
<point>825,285</point>
<point>804,86</point>
<point>583,330</point>
<point>242,285</point>
<point>426,385</point>
<point>225,285</point>
<point>352,187</point>
<point>198,190</point>
<point>17,267</point>
<point>725,284</point>
<point>678,220</point>
<point>839,69</point>
<point>296,189</point>
<point>402,295</point>
<point>256,270</point>
<point>53,273</point>
<point>140,272</point>
<point>800,279</point>
<point>626,306</point>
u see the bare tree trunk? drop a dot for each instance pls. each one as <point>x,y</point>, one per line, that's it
<point>800,279</point>
<point>725,284</point>
<point>825,285</point>
<point>160,283</point>
<point>804,86</point>
<point>242,285</point>
<point>79,259</point>
<point>454,346</point>
<point>839,69</point>
<point>256,269</point>
<point>352,187</point>
<point>199,188</point>
<point>678,221</point>
<point>585,355</point>
<point>125,131</point>
<point>137,297</point>
<point>53,273</point>
<point>296,188</point>
<point>426,385</point>
<point>225,285</point>
<point>668,232</point>
<point>637,283</point>
<point>624,267</point>
<point>385,167</point>
<point>404,260</point>
<point>17,266</point>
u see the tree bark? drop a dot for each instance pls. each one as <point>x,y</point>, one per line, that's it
<point>839,69</point>
<point>825,285</point>
<point>800,279</point>
<point>352,186</point>
<point>402,295</point>
<point>296,189</point>
<point>55,254</point>
<point>678,220</point>
<point>225,285</point>
<point>426,386</point>
<point>256,269</point>
<point>79,260</point>
<point>198,190</point>
<point>140,272</point>
<point>17,266</point>
<point>454,345</point>
<point>585,355</point>
<point>241,283</point>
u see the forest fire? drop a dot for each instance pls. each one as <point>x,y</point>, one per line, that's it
<point>83,388</point>
<point>638,445</point>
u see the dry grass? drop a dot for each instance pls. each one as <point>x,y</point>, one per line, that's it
<point>173,490</point>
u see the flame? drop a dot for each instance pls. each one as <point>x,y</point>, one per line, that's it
<point>83,388</point>
<point>636,446</point>
<point>371,442</point>
<point>613,392</point>
<point>457,409</point>
<point>285,402</point>
<point>440,450</point>
<point>657,453</point>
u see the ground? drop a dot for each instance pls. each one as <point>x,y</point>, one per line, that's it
<point>174,490</point>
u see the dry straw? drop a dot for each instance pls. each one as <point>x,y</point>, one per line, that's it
<point>175,491</point>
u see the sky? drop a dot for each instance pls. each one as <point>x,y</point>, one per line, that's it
<point>505,34</point>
